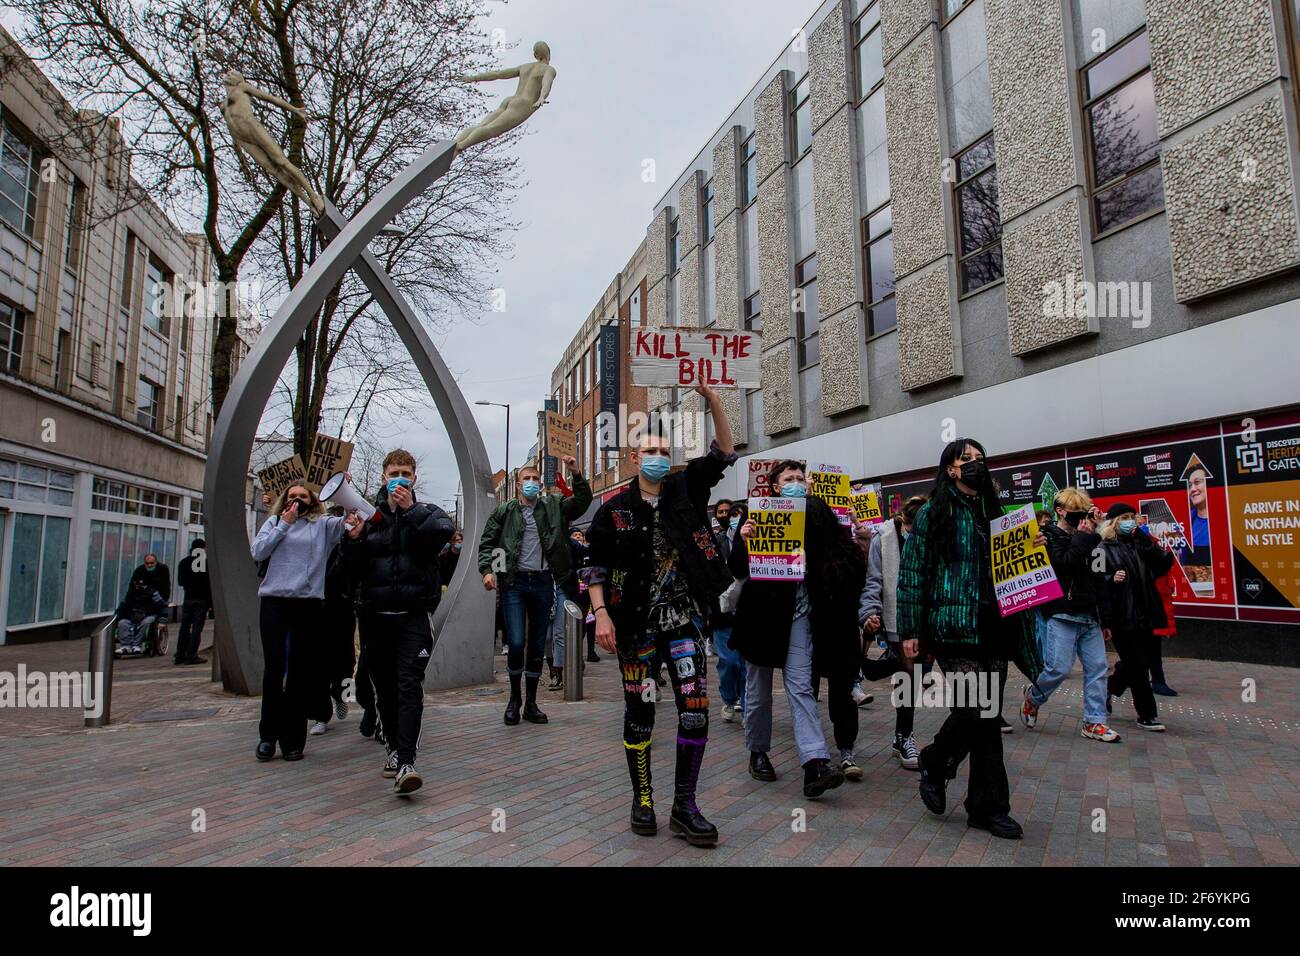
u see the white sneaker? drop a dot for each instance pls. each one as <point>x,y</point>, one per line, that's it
<point>340,709</point>
<point>861,697</point>
<point>728,712</point>
<point>905,749</point>
<point>408,780</point>
<point>318,727</point>
<point>390,765</point>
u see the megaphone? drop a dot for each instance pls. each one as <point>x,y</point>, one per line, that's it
<point>339,491</point>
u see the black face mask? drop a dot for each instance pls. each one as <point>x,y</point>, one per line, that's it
<point>975,474</point>
<point>1072,518</point>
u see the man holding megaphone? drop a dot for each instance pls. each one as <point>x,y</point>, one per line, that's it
<point>394,564</point>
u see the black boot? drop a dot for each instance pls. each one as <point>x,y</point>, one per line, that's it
<point>819,776</point>
<point>760,767</point>
<point>512,708</point>
<point>643,805</point>
<point>686,819</point>
<point>934,787</point>
<point>531,712</point>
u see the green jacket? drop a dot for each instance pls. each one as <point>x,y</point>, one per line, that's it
<point>938,599</point>
<point>505,530</point>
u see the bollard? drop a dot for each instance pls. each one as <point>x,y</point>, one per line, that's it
<point>574,620</point>
<point>101,662</point>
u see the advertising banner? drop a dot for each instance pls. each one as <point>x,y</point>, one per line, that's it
<point>608,356</point>
<point>1022,573</point>
<point>776,544</point>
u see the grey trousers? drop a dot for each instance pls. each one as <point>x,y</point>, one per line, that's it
<point>798,678</point>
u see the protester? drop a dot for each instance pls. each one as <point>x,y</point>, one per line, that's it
<point>947,607</point>
<point>1165,588</point>
<point>449,557</point>
<point>393,563</point>
<point>654,563</point>
<point>340,637</point>
<point>806,628</point>
<point>1131,609</point>
<point>530,536</point>
<point>293,548</point>
<point>138,611</point>
<point>192,576</point>
<point>1072,623</point>
<point>878,615</point>
<point>577,593</point>
<point>731,666</point>
<point>581,562</point>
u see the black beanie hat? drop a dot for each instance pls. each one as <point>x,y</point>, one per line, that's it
<point>1119,508</point>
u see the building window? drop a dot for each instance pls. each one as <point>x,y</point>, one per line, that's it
<point>157,288</point>
<point>634,308</point>
<point>979,227</point>
<point>12,323</point>
<point>674,246</point>
<point>128,271</point>
<point>75,224</point>
<point>1124,147</point>
<point>38,569</point>
<point>754,313</point>
<point>116,549</point>
<point>19,176</point>
<point>868,61</point>
<point>706,210</point>
<point>118,497</point>
<point>806,315</point>
<point>953,7</point>
<point>878,270</point>
<point>196,512</point>
<point>35,484</point>
<point>800,120</point>
<point>748,172</point>
<point>147,403</point>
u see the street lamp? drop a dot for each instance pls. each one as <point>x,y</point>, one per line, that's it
<point>509,490</point>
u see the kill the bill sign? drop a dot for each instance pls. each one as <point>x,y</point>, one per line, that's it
<point>1022,573</point>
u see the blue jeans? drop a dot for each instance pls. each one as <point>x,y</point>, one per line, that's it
<point>527,603</point>
<point>130,636</point>
<point>731,668</point>
<point>1063,640</point>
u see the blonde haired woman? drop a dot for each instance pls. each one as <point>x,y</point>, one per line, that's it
<point>1072,623</point>
<point>293,547</point>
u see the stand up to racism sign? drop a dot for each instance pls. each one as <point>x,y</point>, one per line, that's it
<point>1022,573</point>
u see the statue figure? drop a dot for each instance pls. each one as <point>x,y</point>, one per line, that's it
<point>251,137</point>
<point>535,81</point>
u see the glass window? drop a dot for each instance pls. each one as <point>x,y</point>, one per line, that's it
<point>800,120</point>
<point>706,210</point>
<point>878,270</point>
<point>94,568</point>
<point>868,61</point>
<point>19,176</point>
<point>806,317</point>
<point>54,569</point>
<point>75,224</point>
<point>748,172</point>
<point>754,313</point>
<point>1124,147</point>
<point>979,224</point>
<point>156,288</point>
<point>108,589</point>
<point>13,323</point>
<point>24,568</point>
<point>674,246</point>
<point>126,561</point>
<point>146,403</point>
<point>952,7</point>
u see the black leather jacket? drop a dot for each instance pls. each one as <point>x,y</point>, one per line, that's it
<point>394,564</point>
<point>621,541</point>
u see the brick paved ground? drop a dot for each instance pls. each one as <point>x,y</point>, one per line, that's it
<point>1220,788</point>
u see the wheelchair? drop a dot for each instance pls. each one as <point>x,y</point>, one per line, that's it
<point>154,644</point>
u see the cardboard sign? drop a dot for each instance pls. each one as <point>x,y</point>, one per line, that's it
<point>866,505</point>
<point>776,544</point>
<point>275,478</point>
<point>685,358</point>
<point>561,436</point>
<point>329,456</point>
<point>759,469</point>
<point>830,483</point>
<point>1022,573</point>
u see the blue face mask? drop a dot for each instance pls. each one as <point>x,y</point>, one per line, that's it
<point>1127,525</point>
<point>395,483</point>
<point>735,522</point>
<point>655,467</point>
<point>792,489</point>
<point>532,489</point>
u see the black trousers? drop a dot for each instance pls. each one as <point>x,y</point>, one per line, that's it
<point>1155,658</point>
<point>340,653</point>
<point>967,732</point>
<point>365,689</point>
<point>398,647</point>
<point>843,711</point>
<point>1134,649</point>
<point>293,681</point>
<point>193,614</point>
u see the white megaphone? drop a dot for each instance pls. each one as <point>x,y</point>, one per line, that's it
<point>339,491</point>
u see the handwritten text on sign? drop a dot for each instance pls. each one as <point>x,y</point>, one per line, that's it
<point>561,436</point>
<point>689,357</point>
<point>1022,574</point>
<point>775,544</point>
<point>279,476</point>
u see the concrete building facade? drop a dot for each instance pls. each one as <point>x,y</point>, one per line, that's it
<point>104,388</point>
<point>1066,228</point>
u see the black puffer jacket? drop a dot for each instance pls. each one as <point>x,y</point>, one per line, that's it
<point>1072,556</point>
<point>836,572</point>
<point>1134,604</point>
<point>394,564</point>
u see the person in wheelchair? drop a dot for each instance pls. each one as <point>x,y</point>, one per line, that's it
<point>137,615</point>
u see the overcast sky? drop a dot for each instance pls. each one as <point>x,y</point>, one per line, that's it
<point>635,79</point>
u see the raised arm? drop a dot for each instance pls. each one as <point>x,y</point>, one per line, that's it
<point>721,424</point>
<point>506,74</point>
<point>254,92</point>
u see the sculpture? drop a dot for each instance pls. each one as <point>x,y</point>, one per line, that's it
<point>535,80</point>
<point>250,136</point>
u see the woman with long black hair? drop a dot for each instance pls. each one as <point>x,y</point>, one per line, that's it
<point>947,607</point>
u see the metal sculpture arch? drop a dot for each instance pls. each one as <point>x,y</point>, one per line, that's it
<point>463,623</point>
